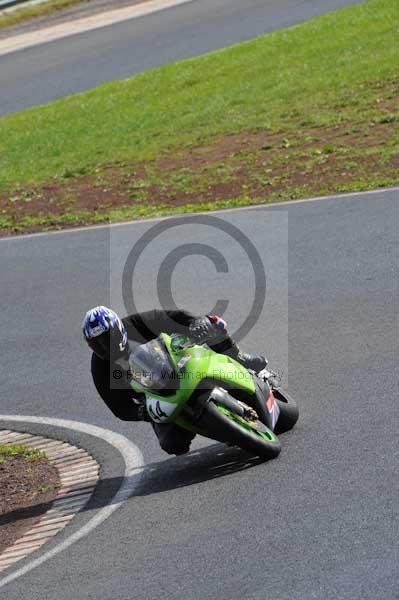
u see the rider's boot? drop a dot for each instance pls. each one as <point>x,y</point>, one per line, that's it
<point>255,362</point>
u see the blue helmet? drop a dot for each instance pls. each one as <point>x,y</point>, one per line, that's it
<point>105,333</point>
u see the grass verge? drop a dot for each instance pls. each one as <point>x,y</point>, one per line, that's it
<point>310,110</point>
<point>18,450</point>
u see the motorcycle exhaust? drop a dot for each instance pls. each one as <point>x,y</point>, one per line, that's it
<point>223,397</point>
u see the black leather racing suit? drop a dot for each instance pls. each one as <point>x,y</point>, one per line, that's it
<point>112,380</point>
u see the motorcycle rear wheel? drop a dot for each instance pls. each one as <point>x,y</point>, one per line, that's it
<point>289,412</point>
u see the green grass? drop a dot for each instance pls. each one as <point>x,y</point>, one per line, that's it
<point>323,97</point>
<point>18,450</point>
<point>49,487</point>
<point>321,72</point>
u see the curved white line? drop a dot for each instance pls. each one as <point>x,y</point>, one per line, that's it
<point>133,470</point>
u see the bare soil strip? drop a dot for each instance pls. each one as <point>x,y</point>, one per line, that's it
<point>38,499</point>
<point>253,167</point>
<point>27,490</point>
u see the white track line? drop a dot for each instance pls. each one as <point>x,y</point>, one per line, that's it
<point>219,212</point>
<point>133,470</point>
<point>56,32</point>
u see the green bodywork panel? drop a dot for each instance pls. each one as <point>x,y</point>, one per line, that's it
<point>193,364</point>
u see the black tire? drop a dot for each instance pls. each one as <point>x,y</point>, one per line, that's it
<point>289,412</point>
<point>223,425</point>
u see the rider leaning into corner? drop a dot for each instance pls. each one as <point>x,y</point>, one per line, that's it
<point>112,339</point>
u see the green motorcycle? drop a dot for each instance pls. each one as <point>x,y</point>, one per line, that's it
<point>211,394</point>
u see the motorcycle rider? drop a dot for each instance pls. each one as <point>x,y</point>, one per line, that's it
<point>111,340</point>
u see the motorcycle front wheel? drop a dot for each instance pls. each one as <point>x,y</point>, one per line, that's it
<point>253,436</point>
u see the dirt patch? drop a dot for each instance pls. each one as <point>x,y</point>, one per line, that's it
<point>257,166</point>
<point>27,489</point>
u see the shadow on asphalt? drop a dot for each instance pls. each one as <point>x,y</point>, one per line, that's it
<point>204,464</point>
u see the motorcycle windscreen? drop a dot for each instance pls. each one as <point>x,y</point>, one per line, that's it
<point>152,368</point>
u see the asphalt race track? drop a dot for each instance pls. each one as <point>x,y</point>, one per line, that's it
<point>319,522</point>
<point>41,74</point>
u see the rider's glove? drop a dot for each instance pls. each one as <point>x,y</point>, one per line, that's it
<point>142,414</point>
<point>207,328</point>
<point>199,329</point>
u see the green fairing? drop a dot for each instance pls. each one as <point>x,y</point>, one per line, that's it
<point>202,363</point>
